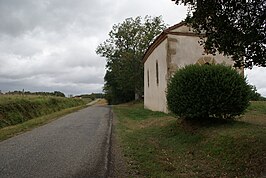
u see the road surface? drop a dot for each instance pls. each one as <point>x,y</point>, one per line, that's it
<point>75,145</point>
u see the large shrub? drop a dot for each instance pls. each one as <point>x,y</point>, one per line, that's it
<point>207,91</point>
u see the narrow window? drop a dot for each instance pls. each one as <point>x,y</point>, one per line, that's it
<point>148,77</point>
<point>157,73</point>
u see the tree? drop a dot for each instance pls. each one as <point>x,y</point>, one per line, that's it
<point>123,51</point>
<point>59,93</point>
<point>236,28</point>
<point>254,95</point>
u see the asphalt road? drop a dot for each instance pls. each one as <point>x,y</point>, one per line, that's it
<point>75,145</point>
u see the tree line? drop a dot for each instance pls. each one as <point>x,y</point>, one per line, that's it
<point>55,93</point>
<point>92,96</point>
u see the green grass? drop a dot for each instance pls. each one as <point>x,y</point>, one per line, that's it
<point>87,100</point>
<point>16,109</point>
<point>158,145</point>
<point>138,113</point>
<point>256,113</point>
<point>11,131</point>
<point>257,107</point>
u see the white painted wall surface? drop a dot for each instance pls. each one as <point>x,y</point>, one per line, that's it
<point>187,51</point>
<point>154,95</point>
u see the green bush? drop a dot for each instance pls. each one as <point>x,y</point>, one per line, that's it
<point>208,91</point>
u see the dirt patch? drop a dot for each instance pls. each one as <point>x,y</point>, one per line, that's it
<point>162,121</point>
<point>254,119</point>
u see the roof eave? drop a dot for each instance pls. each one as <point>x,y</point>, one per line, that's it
<point>164,35</point>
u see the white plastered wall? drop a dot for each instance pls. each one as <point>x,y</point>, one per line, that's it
<point>189,51</point>
<point>173,53</point>
<point>154,94</point>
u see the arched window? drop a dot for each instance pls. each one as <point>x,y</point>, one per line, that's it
<point>148,77</point>
<point>157,73</point>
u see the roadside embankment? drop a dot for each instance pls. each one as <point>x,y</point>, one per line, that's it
<point>16,109</point>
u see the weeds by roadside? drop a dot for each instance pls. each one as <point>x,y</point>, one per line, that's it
<point>11,131</point>
<point>15,109</point>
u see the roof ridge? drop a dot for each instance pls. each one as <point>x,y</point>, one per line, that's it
<point>162,36</point>
<point>180,24</point>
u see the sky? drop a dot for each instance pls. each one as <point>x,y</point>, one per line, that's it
<point>49,45</point>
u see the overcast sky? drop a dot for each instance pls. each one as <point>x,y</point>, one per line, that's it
<point>49,45</point>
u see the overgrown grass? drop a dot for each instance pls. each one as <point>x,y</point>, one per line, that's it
<point>15,109</point>
<point>87,100</point>
<point>157,145</point>
<point>11,131</point>
<point>256,113</point>
<point>257,107</point>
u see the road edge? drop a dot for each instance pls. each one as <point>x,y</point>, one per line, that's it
<point>108,142</point>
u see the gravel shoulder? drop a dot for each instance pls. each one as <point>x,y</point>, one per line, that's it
<point>117,163</point>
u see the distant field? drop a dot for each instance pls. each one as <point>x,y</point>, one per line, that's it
<point>157,145</point>
<point>87,100</point>
<point>15,109</point>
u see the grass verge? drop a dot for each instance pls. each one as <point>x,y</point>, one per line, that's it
<point>256,113</point>
<point>16,109</point>
<point>11,131</point>
<point>157,145</point>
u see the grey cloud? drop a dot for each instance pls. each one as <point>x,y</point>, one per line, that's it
<point>54,65</point>
<point>19,16</point>
<point>34,86</point>
<point>48,45</point>
<point>256,76</point>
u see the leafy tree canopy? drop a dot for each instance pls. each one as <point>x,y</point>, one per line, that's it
<point>123,51</point>
<point>254,95</point>
<point>236,28</point>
